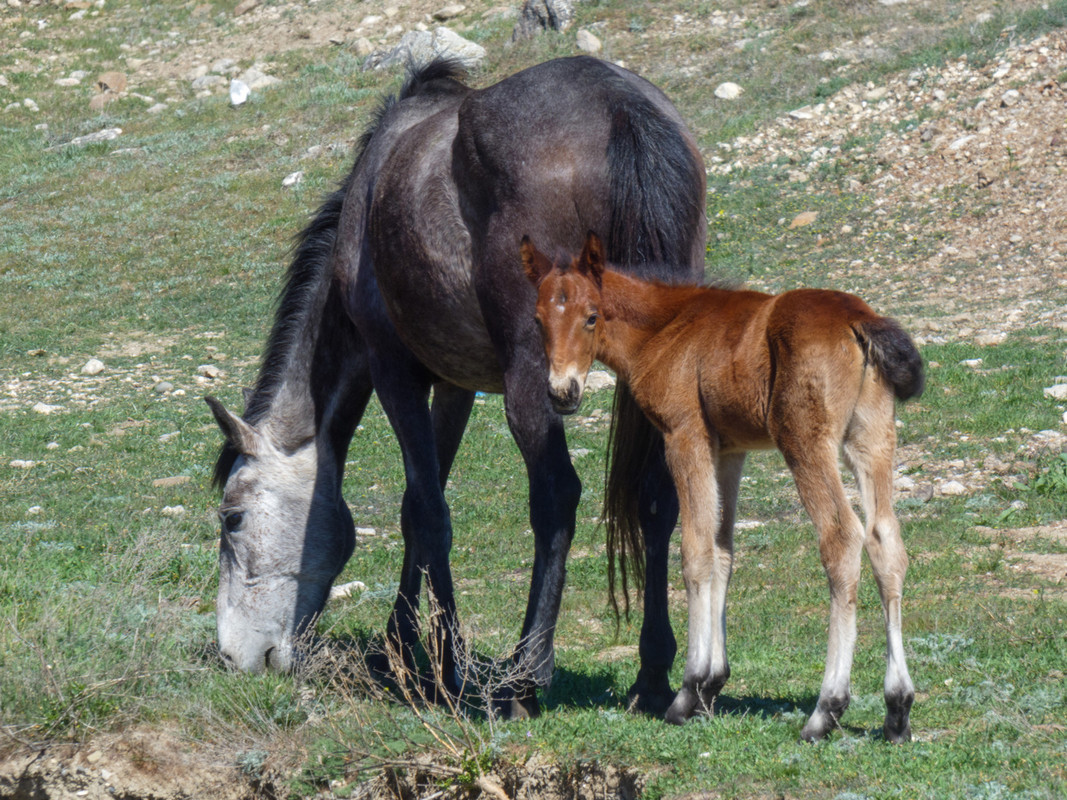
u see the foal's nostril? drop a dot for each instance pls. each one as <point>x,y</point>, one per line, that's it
<point>266,657</point>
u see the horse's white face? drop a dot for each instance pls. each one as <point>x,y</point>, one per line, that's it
<point>286,535</point>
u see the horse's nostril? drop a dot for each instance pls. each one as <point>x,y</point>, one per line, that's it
<point>266,657</point>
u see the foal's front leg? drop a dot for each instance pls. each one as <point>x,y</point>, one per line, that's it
<point>707,560</point>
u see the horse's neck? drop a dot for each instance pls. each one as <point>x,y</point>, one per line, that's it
<point>633,312</point>
<point>314,384</point>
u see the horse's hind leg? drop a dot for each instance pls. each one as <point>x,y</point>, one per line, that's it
<point>814,464</point>
<point>870,444</point>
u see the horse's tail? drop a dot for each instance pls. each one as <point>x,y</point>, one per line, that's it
<point>891,350</point>
<point>657,219</point>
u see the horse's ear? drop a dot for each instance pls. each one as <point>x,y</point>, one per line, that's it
<point>247,394</point>
<point>534,263</point>
<point>238,433</point>
<point>592,258</point>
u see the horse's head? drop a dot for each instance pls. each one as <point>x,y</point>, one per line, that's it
<point>286,535</point>
<point>568,313</point>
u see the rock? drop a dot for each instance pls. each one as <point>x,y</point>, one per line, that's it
<point>990,339</point>
<point>1056,392</point>
<point>448,12</point>
<point>363,47</point>
<point>239,92</point>
<point>112,82</point>
<point>163,387</point>
<point>599,379</point>
<point>244,7</point>
<point>18,463</point>
<point>541,15</point>
<point>30,105</point>
<point>93,366</point>
<point>256,79</point>
<point>346,589</point>
<point>105,135</point>
<point>422,47</point>
<point>45,408</point>
<point>952,489</point>
<point>33,511</point>
<point>292,179</point>
<point>803,219</point>
<point>874,95</point>
<point>802,114</point>
<point>173,511</point>
<point>973,363</point>
<point>196,72</point>
<point>224,66</point>
<point>728,91</point>
<point>66,83</point>
<point>587,42</point>
<point>156,109</point>
<point>169,437</point>
<point>171,481</point>
<point>208,82</point>
<point>100,101</point>
<point>210,371</point>
<point>1010,98</point>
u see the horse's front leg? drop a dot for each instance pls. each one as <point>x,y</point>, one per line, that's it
<point>706,567</point>
<point>554,493</point>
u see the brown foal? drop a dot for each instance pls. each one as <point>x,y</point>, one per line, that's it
<point>721,372</point>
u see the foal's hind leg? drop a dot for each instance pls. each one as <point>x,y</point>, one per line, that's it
<point>869,447</point>
<point>814,464</point>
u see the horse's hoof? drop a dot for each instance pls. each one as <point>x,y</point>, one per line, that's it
<point>896,731</point>
<point>517,706</point>
<point>683,707</point>
<point>817,728</point>
<point>650,697</point>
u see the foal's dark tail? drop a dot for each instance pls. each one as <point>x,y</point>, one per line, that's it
<point>657,217</point>
<point>891,350</point>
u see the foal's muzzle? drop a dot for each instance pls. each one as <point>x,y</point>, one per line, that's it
<point>566,397</point>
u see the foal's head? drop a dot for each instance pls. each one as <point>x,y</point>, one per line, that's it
<point>568,313</point>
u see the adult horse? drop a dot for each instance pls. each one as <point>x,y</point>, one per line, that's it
<point>406,281</point>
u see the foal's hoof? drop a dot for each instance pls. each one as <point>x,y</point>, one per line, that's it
<point>818,727</point>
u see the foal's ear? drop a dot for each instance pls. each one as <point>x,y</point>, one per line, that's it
<point>238,433</point>
<point>592,258</point>
<point>534,263</point>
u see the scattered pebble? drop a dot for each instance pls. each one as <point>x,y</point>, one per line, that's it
<point>93,366</point>
<point>1057,392</point>
<point>173,511</point>
<point>952,489</point>
<point>171,481</point>
<point>293,178</point>
<point>973,363</point>
<point>239,92</point>
<point>18,463</point>
<point>728,91</point>
<point>45,408</point>
<point>33,511</point>
<point>210,371</point>
<point>346,589</point>
<point>587,42</point>
<point>163,387</point>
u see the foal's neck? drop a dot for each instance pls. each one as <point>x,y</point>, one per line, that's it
<point>634,311</point>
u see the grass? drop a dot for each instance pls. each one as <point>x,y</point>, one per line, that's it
<point>160,251</point>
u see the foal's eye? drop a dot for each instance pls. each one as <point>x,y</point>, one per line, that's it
<point>591,322</point>
<point>231,520</point>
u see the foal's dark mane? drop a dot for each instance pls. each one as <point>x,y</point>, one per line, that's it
<point>311,250</point>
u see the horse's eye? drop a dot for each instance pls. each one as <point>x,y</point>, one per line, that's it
<point>231,520</point>
<point>591,322</point>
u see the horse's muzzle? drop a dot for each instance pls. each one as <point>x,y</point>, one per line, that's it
<point>567,400</point>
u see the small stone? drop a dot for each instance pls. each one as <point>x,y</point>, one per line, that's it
<point>30,105</point>
<point>587,42</point>
<point>66,82</point>
<point>168,437</point>
<point>163,387</point>
<point>952,489</point>
<point>105,135</point>
<point>903,484</point>
<point>171,481</point>
<point>210,371</point>
<point>448,12</point>
<point>244,7</point>
<point>173,511</point>
<point>803,219</point>
<point>874,95</point>
<point>802,114</point>
<point>94,756</point>
<point>728,91</point>
<point>990,339</point>
<point>599,379</point>
<point>158,108</point>
<point>93,366</point>
<point>363,47</point>
<point>293,178</point>
<point>973,363</point>
<point>1010,98</point>
<point>45,408</point>
<point>208,82</point>
<point>19,463</point>
<point>1057,391</point>
<point>33,511</point>
<point>52,446</point>
<point>112,82</point>
<point>239,92</point>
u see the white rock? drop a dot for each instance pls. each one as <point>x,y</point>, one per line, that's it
<point>952,489</point>
<point>45,408</point>
<point>728,91</point>
<point>293,178</point>
<point>587,42</point>
<point>239,92</point>
<point>173,511</point>
<point>105,135</point>
<point>256,79</point>
<point>1010,98</point>
<point>1057,392</point>
<point>158,108</point>
<point>599,379</point>
<point>448,12</point>
<point>208,82</point>
<point>93,366</point>
<point>30,104</point>
<point>903,484</point>
<point>210,371</point>
<point>420,47</point>
<point>33,511</point>
<point>66,82</point>
<point>18,463</point>
<point>346,589</point>
<point>973,363</point>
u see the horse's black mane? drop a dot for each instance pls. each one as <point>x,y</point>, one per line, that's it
<point>311,253</point>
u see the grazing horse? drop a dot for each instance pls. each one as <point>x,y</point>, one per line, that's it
<point>721,372</point>
<point>405,283</point>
